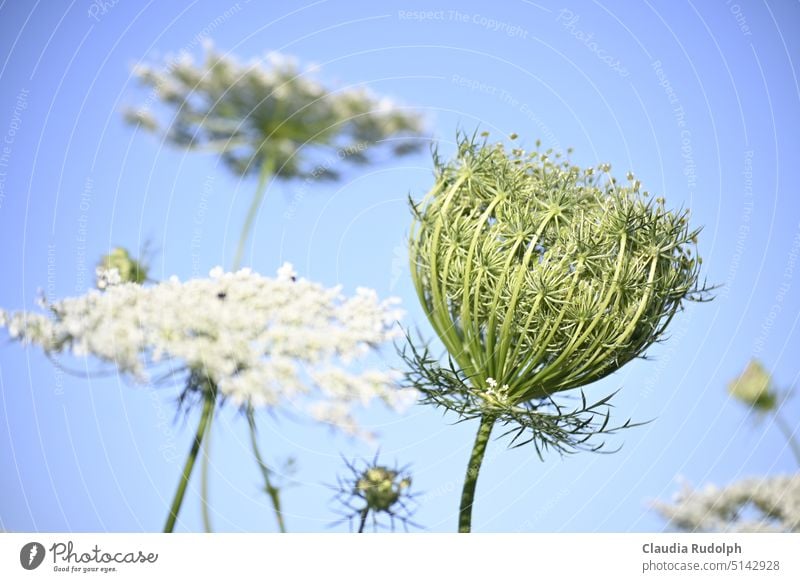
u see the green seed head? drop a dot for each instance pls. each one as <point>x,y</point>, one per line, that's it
<point>754,387</point>
<point>380,488</point>
<point>542,275</point>
<point>129,269</point>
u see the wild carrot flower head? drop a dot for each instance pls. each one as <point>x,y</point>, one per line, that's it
<point>270,109</point>
<point>258,341</point>
<point>540,277</point>
<point>758,504</point>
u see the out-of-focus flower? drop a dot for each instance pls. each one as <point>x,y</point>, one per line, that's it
<point>258,341</point>
<point>119,267</point>
<point>754,387</point>
<point>376,490</point>
<point>270,109</point>
<point>764,504</point>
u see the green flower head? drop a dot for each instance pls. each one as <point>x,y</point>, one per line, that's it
<point>270,109</point>
<point>119,266</point>
<point>540,276</point>
<point>754,387</point>
<point>377,490</point>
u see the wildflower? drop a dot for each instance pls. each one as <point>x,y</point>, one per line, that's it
<point>754,387</point>
<point>377,490</point>
<point>540,277</point>
<point>260,341</point>
<point>272,119</point>
<point>239,337</point>
<point>119,267</point>
<point>766,504</point>
<point>269,109</point>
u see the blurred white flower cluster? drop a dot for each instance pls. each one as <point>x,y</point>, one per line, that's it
<point>764,504</point>
<point>261,341</point>
<point>272,109</point>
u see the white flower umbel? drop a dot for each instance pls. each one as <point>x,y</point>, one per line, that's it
<point>763,504</point>
<point>259,341</point>
<point>240,337</point>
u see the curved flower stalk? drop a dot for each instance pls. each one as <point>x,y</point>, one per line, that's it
<point>376,490</point>
<point>755,388</point>
<point>271,118</point>
<point>764,504</point>
<point>539,277</point>
<point>238,337</point>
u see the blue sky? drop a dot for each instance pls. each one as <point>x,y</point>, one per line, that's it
<point>700,100</point>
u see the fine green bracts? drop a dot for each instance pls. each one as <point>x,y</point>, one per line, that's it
<point>539,277</point>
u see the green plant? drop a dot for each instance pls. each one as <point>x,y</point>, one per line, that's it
<point>275,120</point>
<point>539,277</point>
<point>755,388</point>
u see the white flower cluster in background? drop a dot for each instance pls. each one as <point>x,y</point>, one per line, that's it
<point>762,504</point>
<point>262,341</point>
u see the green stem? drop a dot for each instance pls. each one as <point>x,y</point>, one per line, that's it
<point>204,469</point>
<point>261,189</point>
<point>208,410</point>
<point>249,221</point>
<point>272,491</point>
<point>473,469</point>
<point>363,521</point>
<point>788,432</point>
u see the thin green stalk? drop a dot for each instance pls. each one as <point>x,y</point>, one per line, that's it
<point>788,432</point>
<point>263,178</point>
<point>267,168</point>
<point>272,491</point>
<point>208,411</point>
<point>363,521</point>
<point>204,469</point>
<point>473,469</point>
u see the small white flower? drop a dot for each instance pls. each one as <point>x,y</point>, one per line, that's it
<point>107,277</point>
<point>491,382</point>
